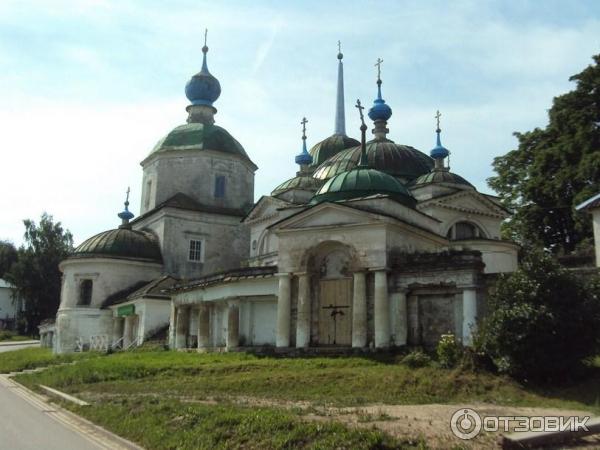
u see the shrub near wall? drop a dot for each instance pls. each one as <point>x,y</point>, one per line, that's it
<point>542,322</point>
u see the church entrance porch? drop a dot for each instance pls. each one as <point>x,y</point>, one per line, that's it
<point>335,313</point>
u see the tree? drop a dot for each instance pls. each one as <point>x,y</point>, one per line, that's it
<point>542,321</point>
<point>35,274</point>
<point>554,169</point>
<point>8,256</point>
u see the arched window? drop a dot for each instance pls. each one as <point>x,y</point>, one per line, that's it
<point>85,293</point>
<point>464,230</point>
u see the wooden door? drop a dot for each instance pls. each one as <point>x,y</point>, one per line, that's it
<point>335,314</point>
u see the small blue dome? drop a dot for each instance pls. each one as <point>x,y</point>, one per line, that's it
<point>203,88</point>
<point>380,111</point>
<point>304,159</point>
<point>439,151</point>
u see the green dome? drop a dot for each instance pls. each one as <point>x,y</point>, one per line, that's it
<point>440,176</point>
<point>303,182</point>
<point>383,154</point>
<point>330,147</point>
<point>121,243</point>
<point>199,136</point>
<point>363,182</point>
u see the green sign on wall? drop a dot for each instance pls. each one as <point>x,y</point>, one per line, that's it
<point>126,310</point>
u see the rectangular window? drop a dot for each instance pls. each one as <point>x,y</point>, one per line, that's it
<point>85,293</point>
<point>220,186</point>
<point>195,251</point>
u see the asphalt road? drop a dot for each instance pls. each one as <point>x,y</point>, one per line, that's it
<point>28,424</point>
<point>9,347</point>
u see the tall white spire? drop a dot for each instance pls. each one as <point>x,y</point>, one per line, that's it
<point>340,116</point>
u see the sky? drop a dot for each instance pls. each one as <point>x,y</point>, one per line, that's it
<point>87,87</point>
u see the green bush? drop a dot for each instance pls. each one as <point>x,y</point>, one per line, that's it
<point>416,359</point>
<point>542,322</point>
<point>449,352</point>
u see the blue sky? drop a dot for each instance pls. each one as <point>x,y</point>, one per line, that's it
<point>87,87</point>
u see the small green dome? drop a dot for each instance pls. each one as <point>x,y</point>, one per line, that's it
<point>303,182</point>
<point>199,136</point>
<point>440,176</point>
<point>121,243</point>
<point>329,147</point>
<point>384,155</point>
<point>363,182</point>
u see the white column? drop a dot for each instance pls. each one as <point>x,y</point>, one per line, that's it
<point>183,325</point>
<point>233,325</point>
<point>203,328</point>
<point>303,319</point>
<point>401,331</point>
<point>596,228</point>
<point>172,325</point>
<point>284,310</point>
<point>359,311</point>
<point>382,310</point>
<point>469,322</point>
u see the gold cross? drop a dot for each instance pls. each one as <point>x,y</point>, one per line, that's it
<point>437,117</point>
<point>378,65</point>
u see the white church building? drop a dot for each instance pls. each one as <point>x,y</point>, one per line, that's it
<point>372,245</point>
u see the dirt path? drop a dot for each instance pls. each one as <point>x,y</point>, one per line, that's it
<point>409,422</point>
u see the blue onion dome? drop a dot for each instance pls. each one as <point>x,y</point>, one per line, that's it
<point>331,146</point>
<point>439,151</point>
<point>302,182</point>
<point>122,243</point>
<point>441,176</point>
<point>401,161</point>
<point>363,181</point>
<point>380,110</point>
<point>203,88</point>
<point>304,158</point>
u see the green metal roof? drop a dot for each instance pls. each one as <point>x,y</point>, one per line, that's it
<point>440,176</point>
<point>199,136</point>
<point>384,155</point>
<point>120,243</point>
<point>303,182</point>
<point>329,147</point>
<point>363,182</point>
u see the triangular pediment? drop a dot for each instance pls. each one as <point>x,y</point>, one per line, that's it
<point>326,215</point>
<point>471,202</point>
<point>265,208</point>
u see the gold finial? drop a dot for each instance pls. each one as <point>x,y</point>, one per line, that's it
<point>304,121</point>
<point>437,118</point>
<point>378,65</point>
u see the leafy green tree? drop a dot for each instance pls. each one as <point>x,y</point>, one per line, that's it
<point>8,256</point>
<point>542,321</point>
<point>554,169</point>
<point>35,274</point>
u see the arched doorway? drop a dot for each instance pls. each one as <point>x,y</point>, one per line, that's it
<point>332,265</point>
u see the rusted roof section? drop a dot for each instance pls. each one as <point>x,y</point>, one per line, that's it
<point>224,277</point>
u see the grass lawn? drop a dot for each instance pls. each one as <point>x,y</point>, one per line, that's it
<point>165,399</point>
<point>9,336</point>
<point>31,358</point>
